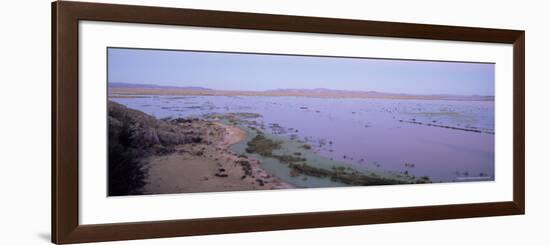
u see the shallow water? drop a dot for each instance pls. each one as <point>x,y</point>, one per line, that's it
<point>444,140</point>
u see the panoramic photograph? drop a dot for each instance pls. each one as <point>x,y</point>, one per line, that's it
<point>203,121</point>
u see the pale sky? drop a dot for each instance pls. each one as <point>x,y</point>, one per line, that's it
<point>241,71</point>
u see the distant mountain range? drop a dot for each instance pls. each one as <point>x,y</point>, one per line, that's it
<point>144,86</point>
<point>331,91</point>
<point>372,93</point>
<point>129,88</point>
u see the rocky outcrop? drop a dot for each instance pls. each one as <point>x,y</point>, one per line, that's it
<point>133,136</point>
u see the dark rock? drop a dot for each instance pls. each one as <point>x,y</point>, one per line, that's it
<point>134,136</point>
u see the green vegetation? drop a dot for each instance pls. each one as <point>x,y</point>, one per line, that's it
<point>423,180</point>
<point>245,114</point>
<point>346,176</point>
<point>264,146</point>
<point>289,158</point>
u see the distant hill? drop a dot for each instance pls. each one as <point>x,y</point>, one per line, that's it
<point>153,86</point>
<point>140,89</point>
<point>375,94</point>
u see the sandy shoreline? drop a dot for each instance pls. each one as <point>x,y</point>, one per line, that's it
<point>208,166</point>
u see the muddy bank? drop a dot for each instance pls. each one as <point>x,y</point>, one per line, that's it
<point>208,167</point>
<point>151,156</point>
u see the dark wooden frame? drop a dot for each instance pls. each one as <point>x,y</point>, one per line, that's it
<point>65,210</point>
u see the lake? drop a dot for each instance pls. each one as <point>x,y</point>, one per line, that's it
<point>447,141</point>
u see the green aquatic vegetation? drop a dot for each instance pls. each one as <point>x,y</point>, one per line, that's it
<point>233,118</point>
<point>338,168</point>
<point>343,175</point>
<point>289,158</point>
<point>267,147</point>
<point>294,173</point>
<point>310,170</point>
<point>262,145</point>
<point>214,116</point>
<point>423,180</point>
<point>245,114</point>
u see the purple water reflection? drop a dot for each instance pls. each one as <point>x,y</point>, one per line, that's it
<point>444,140</point>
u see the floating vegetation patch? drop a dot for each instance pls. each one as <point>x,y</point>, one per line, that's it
<point>348,176</point>
<point>239,117</point>
<point>263,146</point>
<point>244,114</point>
<point>446,113</point>
<point>467,128</point>
<point>277,129</point>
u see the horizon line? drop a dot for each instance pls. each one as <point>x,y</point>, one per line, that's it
<point>156,86</point>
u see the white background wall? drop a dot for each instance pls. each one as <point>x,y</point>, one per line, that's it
<point>25,122</point>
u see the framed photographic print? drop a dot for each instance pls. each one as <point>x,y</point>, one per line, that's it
<point>174,122</point>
